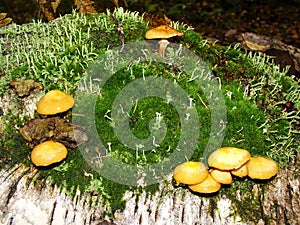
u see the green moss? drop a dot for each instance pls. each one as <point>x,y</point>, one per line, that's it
<point>13,147</point>
<point>58,53</point>
<point>245,118</point>
<point>140,117</point>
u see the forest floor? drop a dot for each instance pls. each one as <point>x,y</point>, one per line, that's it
<point>219,20</point>
<point>275,19</point>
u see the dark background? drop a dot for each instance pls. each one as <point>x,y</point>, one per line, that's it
<point>274,18</point>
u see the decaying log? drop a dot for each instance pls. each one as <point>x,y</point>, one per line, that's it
<point>22,202</point>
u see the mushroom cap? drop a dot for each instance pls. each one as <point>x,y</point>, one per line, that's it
<point>48,152</point>
<point>53,102</point>
<point>261,168</point>
<point>190,173</point>
<point>221,176</point>
<point>163,31</point>
<point>241,171</point>
<point>228,158</point>
<point>209,185</point>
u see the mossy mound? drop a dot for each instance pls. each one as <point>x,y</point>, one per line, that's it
<point>57,55</point>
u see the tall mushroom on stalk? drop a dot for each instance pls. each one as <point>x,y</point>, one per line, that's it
<point>162,32</point>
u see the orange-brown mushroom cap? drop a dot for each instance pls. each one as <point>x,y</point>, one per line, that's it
<point>190,173</point>
<point>209,185</point>
<point>221,176</point>
<point>53,102</point>
<point>228,158</point>
<point>241,171</point>
<point>261,168</point>
<point>48,152</point>
<point>163,31</point>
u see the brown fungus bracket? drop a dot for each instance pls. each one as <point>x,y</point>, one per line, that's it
<point>162,32</point>
<point>25,87</point>
<point>55,128</point>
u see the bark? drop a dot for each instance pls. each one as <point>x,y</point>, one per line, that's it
<point>22,202</point>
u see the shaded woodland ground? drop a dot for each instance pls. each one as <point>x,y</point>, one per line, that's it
<point>213,19</point>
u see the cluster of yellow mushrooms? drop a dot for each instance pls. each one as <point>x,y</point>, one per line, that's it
<point>49,152</point>
<point>223,163</point>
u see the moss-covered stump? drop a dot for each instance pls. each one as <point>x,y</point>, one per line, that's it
<point>262,116</point>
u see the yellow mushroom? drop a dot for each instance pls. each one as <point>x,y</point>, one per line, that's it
<point>190,173</point>
<point>228,158</point>
<point>241,171</point>
<point>261,168</point>
<point>209,185</point>
<point>221,176</point>
<point>162,32</point>
<point>53,102</point>
<point>48,152</point>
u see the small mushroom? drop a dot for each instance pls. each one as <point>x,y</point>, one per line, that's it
<point>53,102</point>
<point>162,32</point>
<point>261,168</point>
<point>190,173</point>
<point>241,171</point>
<point>48,152</point>
<point>228,158</point>
<point>221,176</point>
<point>209,185</point>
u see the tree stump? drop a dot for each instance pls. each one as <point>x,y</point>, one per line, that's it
<point>22,202</point>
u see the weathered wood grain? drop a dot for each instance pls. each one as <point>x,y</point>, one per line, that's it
<point>25,203</point>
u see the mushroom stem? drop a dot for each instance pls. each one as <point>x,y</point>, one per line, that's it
<point>163,43</point>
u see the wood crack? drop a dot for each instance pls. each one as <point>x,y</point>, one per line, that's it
<point>14,187</point>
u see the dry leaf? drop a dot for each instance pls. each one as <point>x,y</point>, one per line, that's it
<point>2,15</point>
<point>255,42</point>
<point>55,5</point>
<point>116,2</point>
<point>5,21</point>
<point>255,46</point>
<point>85,6</point>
